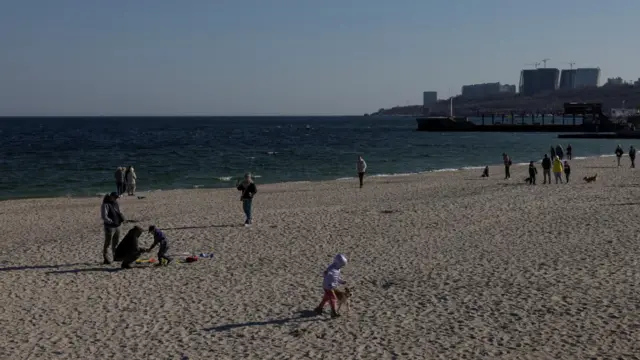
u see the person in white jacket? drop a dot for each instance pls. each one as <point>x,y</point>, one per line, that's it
<point>361,166</point>
<point>332,279</point>
<point>130,178</point>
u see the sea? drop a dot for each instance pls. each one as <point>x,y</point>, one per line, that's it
<point>77,156</point>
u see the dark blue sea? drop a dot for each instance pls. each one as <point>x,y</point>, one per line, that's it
<point>77,156</point>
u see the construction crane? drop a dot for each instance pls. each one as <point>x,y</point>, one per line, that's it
<point>536,64</point>
<point>544,61</point>
<point>571,63</point>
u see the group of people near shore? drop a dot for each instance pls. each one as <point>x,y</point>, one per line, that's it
<point>125,180</point>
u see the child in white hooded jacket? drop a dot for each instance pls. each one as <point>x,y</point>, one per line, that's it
<point>332,279</point>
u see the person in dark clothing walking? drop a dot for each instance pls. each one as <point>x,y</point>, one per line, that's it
<point>619,152</point>
<point>248,188</point>
<point>160,239</point>
<point>361,167</point>
<point>507,166</point>
<point>569,151</point>
<point>129,250</point>
<point>546,169</point>
<point>567,170</point>
<point>112,219</point>
<point>632,156</point>
<point>532,173</point>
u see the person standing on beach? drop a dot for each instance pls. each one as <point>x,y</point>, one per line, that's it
<point>552,151</point>
<point>332,279</point>
<point>567,171</point>
<point>569,149</point>
<point>532,173</point>
<point>507,166</point>
<point>619,153</point>
<point>112,218</point>
<point>559,151</point>
<point>557,169</point>
<point>119,175</point>
<point>546,169</point>
<point>632,156</point>
<point>249,190</point>
<point>131,181</point>
<point>361,167</point>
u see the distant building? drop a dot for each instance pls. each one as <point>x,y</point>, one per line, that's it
<point>568,79</point>
<point>534,81</point>
<point>587,77</point>
<point>483,90</point>
<point>615,81</point>
<point>429,98</point>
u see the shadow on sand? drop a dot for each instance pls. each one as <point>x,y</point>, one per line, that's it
<point>76,271</point>
<point>302,316</point>
<point>40,267</point>
<point>203,227</point>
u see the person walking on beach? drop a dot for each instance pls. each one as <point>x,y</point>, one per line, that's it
<point>567,171</point>
<point>112,218</point>
<point>532,173</point>
<point>119,175</point>
<point>249,190</point>
<point>632,156</point>
<point>361,167</point>
<point>619,153</point>
<point>557,169</point>
<point>569,149</point>
<point>559,151</point>
<point>546,169</point>
<point>332,279</point>
<point>131,181</point>
<point>507,166</point>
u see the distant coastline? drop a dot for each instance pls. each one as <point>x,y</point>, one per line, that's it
<point>609,96</point>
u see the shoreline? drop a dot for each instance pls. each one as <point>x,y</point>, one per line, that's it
<point>145,193</point>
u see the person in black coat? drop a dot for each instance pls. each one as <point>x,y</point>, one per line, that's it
<point>248,188</point>
<point>129,250</point>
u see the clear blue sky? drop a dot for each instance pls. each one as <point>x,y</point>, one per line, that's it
<point>265,57</point>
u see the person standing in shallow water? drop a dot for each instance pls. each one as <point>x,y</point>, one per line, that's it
<point>569,151</point>
<point>249,190</point>
<point>361,167</point>
<point>507,166</point>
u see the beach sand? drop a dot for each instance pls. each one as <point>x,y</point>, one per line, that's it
<point>443,265</point>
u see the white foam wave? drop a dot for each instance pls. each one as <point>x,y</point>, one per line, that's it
<point>223,178</point>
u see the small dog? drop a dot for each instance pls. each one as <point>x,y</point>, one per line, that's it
<point>590,178</point>
<point>343,298</point>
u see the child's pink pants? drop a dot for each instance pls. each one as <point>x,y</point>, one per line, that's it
<point>329,296</point>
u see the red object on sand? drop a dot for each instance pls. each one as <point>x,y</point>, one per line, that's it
<point>191,259</point>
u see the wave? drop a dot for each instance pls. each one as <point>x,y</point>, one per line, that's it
<point>223,178</point>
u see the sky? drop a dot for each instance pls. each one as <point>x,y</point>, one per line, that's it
<point>290,57</point>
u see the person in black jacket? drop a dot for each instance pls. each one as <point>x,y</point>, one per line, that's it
<point>248,188</point>
<point>546,169</point>
<point>129,249</point>
<point>619,152</point>
<point>112,218</point>
<point>532,173</point>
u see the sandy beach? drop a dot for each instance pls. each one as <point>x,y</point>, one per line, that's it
<point>443,265</point>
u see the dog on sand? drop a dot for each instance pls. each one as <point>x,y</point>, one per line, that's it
<point>344,297</point>
<point>590,179</point>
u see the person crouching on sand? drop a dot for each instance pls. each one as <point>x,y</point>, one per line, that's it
<point>332,279</point>
<point>361,167</point>
<point>485,172</point>
<point>532,173</point>
<point>249,190</point>
<point>557,169</point>
<point>129,249</point>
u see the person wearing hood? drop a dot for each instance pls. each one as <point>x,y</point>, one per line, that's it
<point>129,250</point>
<point>131,181</point>
<point>619,152</point>
<point>361,167</point>
<point>249,190</point>
<point>632,156</point>
<point>112,219</point>
<point>557,169</point>
<point>332,279</point>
